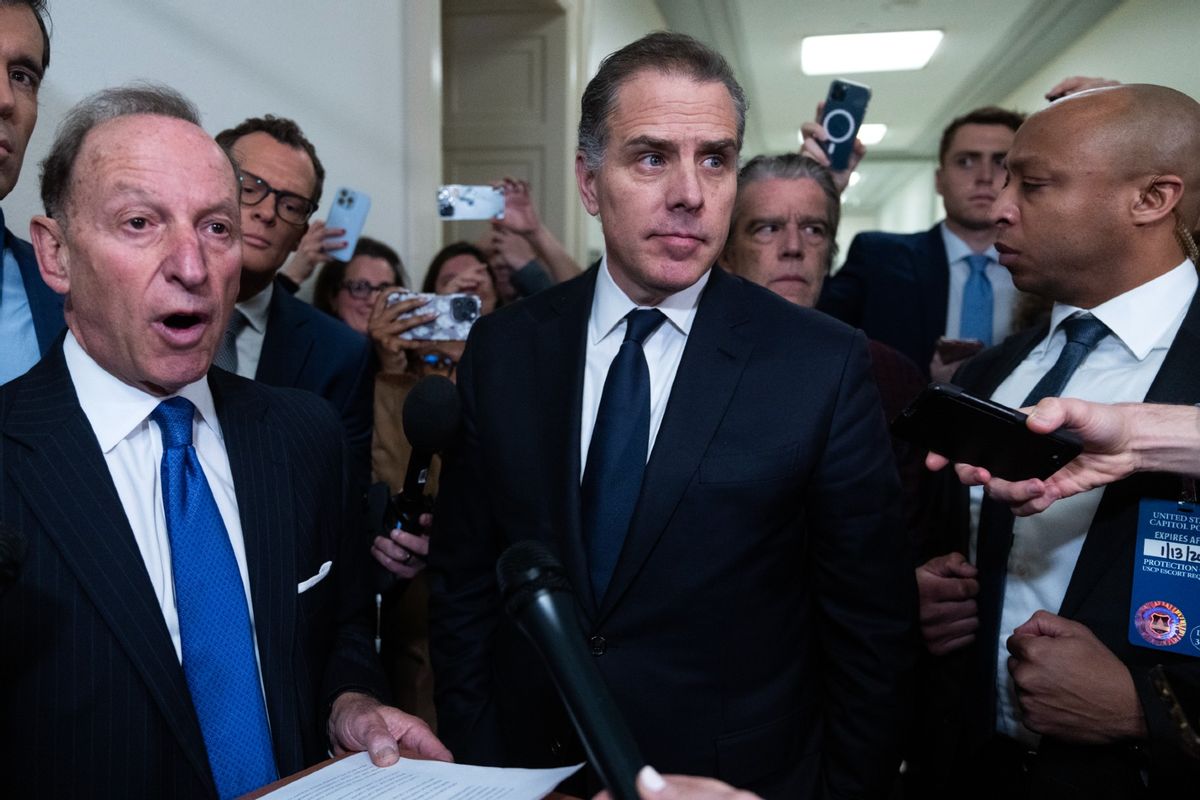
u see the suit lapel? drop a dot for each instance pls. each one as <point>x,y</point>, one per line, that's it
<point>708,373</point>
<point>286,344</point>
<point>1178,381</point>
<point>933,280</point>
<point>560,347</point>
<point>260,473</point>
<point>93,536</point>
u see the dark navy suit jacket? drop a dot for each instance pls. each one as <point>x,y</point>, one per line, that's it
<point>895,287</point>
<point>93,701</point>
<point>758,624</point>
<point>45,306</point>
<point>305,348</point>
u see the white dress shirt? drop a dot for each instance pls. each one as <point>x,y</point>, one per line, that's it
<point>1004,294</point>
<point>1046,546</point>
<point>250,338</point>
<point>663,348</point>
<point>132,445</point>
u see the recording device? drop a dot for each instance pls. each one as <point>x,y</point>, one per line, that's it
<point>459,201</point>
<point>456,313</point>
<point>845,107</point>
<point>970,430</point>
<point>349,211</point>
<point>13,547</point>
<point>538,597</point>
<point>431,416</point>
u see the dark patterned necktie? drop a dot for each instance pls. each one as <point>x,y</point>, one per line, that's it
<point>616,458</point>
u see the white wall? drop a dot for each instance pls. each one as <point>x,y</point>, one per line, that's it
<point>1140,41</point>
<point>337,68</point>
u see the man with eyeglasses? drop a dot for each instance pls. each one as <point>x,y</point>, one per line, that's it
<point>273,337</point>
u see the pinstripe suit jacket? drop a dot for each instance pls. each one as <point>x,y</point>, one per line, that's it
<point>93,702</point>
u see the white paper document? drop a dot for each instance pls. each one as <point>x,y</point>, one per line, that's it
<point>356,778</point>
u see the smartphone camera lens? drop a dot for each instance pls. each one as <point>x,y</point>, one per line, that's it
<point>838,92</point>
<point>463,309</point>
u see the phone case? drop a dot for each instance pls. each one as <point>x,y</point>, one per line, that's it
<point>845,107</point>
<point>970,430</point>
<point>456,314</point>
<point>457,201</point>
<point>350,208</point>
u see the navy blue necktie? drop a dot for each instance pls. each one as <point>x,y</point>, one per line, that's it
<point>214,623</point>
<point>976,320</point>
<point>616,457</point>
<point>1083,334</point>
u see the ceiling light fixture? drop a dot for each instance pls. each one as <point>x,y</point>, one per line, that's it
<point>849,53</point>
<point>872,132</point>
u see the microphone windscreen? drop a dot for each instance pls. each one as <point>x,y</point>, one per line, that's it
<point>431,414</point>
<point>526,568</point>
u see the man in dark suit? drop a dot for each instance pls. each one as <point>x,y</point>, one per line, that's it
<point>274,337</point>
<point>1042,688</point>
<point>783,235</point>
<point>907,290</point>
<point>724,502</point>
<point>30,313</point>
<point>187,621</point>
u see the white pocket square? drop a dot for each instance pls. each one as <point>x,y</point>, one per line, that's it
<point>305,585</point>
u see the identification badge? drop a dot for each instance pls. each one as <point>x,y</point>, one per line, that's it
<point>1165,612</point>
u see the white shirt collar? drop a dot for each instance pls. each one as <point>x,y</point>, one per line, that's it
<point>610,305</point>
<point>257,308</point>
<point>1140,317</point>
<point>114,408</point>
<point>957,250</point>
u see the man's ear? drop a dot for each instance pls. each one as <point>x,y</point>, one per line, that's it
<point>53,253</point>
<point>586,179</point>
<point>1157,200</point>
<point>937,182</point>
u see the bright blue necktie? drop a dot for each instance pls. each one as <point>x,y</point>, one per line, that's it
<point>616,458</point>
<point>214,624</point>
<point>977,302</point>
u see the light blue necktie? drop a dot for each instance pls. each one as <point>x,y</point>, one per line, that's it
<point>977,302</point>
<point>616,458</point>
<point>214,623</point>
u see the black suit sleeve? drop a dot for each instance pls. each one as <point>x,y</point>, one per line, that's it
<point>865,589</point>
<point>844,295</point>
<point>464,606</point>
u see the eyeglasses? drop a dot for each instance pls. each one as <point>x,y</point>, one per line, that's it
<point>363,289</point>
<point>291,208</point>
<point>433,360</point>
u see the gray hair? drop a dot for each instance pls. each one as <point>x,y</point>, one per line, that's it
<point>794,167</point>
<point>90,113</point>
<point>663,52</point>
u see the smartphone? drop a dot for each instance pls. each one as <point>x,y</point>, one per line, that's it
<point>349,211</point>
<point>456,313</point>
<point>967,429</point>
<point>845,107</point>
<point>952,350</point>
<point>458,201</point>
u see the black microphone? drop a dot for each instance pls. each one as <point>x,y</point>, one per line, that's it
<point>13,547</point>
<point>539,599</point>
<point>431,417</point>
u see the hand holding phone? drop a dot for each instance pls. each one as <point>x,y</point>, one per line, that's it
<point>455,314</point>
<point>948,421</point>
<point>349,213</point>
<point>459,201</point>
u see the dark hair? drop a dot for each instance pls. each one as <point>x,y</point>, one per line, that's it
<point>329,282</point>
<point>793,167</point>
<point>284,131</point>
<point>41,14</point>
<point>988,115</point>
<point>454,250</point>
<point>661,51</point>
<point>89,113</point>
